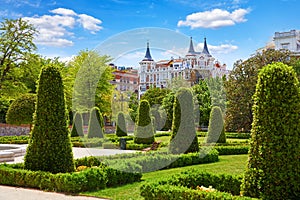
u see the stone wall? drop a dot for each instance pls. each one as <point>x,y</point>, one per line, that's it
<point>12,130</point>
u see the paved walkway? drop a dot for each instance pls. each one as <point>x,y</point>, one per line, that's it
<point>15,193</point>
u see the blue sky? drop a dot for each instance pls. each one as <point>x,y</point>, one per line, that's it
<point>234,28</point>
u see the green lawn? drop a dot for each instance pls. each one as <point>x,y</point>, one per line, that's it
<point>233,164</point>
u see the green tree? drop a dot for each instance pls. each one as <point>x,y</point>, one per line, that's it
<point>216,130</point>
<point>4,105</point>
<point>16,42</point>
<point>184,138</point>
<point>167,106</point>
<point>202,94</point>
<point>144,130</point>
<point>90,77</point>
<point>21,110</point>
<point>273,170</point>
<point>96,124</point>
<point>133,106</point>
<point>240,87</point>
<point>155,96</point>
<point>77,128</point>
<point>121,125</point>
<point>50,147</point>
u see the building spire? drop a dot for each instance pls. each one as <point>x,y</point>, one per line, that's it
<point>205,49</point>
<point>191,48</point>
<point>148,56</point>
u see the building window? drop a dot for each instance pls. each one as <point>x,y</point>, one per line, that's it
<point>285,45</point>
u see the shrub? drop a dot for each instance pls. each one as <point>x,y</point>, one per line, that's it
<point>121,125</point>
<point>50,148</point>
<point>144,130</point>
<point>96,124</point>
<point>21,110</point>
<point>232,150</point>
<point>77,128</point>
<point>183,185</point>
<point>216,131</point>
<point>184,138</point>
<point>273,170</point>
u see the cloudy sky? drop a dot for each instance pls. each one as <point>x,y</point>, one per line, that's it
<point>234,28</point>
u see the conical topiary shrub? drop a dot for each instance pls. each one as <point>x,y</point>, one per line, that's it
<point>216,129</point>
<point>273,169</point>
<point>121,125</point>
<point>96,124</point>
<point>77,128</point>
<point>144,130</point>
<point>184,138</point>
<point>50,148</point>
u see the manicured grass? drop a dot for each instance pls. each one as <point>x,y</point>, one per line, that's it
<point>233,164</point>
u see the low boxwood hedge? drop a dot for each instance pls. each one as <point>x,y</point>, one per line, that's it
<point>183,186</point>
<point>95,176</point>
<point>232,150</point>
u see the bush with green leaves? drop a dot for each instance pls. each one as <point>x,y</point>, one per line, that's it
<point>96,124</point>
<point>121,125</point>
<point>184,138</point>
<point>77,128</point>
<point>21,110</point>
<point>216,128</point>
<point>144,130</point>
<point>273,169</point>
<point>50,147</point>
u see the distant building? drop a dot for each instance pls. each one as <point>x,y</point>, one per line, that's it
<point>125,79</point>
<point>192,67</point>
<point>288,40</point>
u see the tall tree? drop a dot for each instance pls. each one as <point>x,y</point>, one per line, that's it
<point>16,42</point>
<point>240,87</point>
<point>90,76</point>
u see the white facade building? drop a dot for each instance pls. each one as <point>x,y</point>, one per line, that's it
<point>192,67</point>
<point>288,40</point>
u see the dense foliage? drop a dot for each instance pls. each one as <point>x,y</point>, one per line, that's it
<point>21,110</point>
<point>96,124</point>
<point>144,130</point>
<point>216,130</point>
<point>121,129</point>
<point>184,138</point>
<point>273,170</point>
<point>50,146</point>
<point>240,87</point>
<point>77,128</point>
<point>167,107</point>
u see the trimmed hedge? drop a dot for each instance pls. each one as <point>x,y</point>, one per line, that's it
<point>216,128</point>
<point>183,186</point>
<point>50,148</point>
<point>121,125</point>
<point>144,130</point>
<point>273,169</point>
<point>77,128</point>
<point>96,124</point>
<point>232,150</point>
<point>184,138</point>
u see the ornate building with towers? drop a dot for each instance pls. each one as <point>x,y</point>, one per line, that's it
<point>192,67</point>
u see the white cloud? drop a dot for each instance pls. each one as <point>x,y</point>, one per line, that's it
<point>63,11</point>
<point>214,19</point>
<point>90,23</point>
<point>220,49</point>
<point>55,30</point>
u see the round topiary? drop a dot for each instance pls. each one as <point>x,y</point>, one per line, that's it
<point>184,138</point>
<point>77,128</point>
<point>273,169</point>
<point>216,129</point>
<point>144,130</point>
<point>96,124</point>
<point>50,148</point>
<point>21,110</point>
<point>121,125</point>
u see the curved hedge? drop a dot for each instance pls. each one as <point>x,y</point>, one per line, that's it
<point>77,128</point>
<point>121,125</point>
<point>96,124</point>
<point>216,128</point>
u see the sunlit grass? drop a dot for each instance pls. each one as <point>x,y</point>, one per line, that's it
<point>232,164</point>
